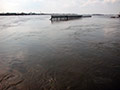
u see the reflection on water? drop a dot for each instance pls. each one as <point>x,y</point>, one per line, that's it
<point>82,54</point>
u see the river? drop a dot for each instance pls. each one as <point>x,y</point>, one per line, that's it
<point>37,54</point>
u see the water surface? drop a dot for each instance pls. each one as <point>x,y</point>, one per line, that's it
<point>37,54</point>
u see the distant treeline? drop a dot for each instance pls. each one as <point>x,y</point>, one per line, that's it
<point>22,13</point>
<point>12,14</point>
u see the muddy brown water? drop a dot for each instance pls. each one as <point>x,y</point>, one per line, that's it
<point>36,54</point>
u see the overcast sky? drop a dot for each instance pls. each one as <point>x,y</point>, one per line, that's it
<point>61,6</point>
